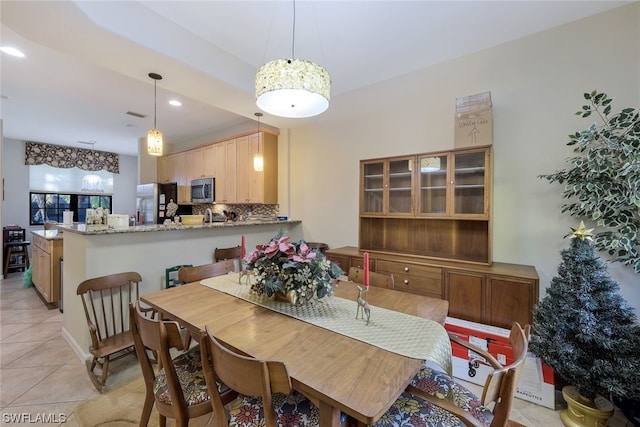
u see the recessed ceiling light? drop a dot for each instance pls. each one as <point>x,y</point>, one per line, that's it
<point>11,51</point>
<point>175,103</point>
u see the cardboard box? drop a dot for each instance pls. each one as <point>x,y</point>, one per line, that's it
<point>536,383</point>
<point>473,121</point>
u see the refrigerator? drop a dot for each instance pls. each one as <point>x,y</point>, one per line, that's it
<point>153,203</point>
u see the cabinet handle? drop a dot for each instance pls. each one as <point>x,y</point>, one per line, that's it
<point>406,281</point>
<point>406,269</point>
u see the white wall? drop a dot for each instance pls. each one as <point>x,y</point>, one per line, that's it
<point>15,206</point>
<point>536,85</point>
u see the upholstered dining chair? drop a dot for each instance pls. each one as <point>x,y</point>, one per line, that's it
<point>105,301</point>
<point>265,394</point>
<point>437,399</point>
<point>375,279</point>
<point>178,388</point>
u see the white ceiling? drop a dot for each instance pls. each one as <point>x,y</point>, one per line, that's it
<point>87,62</point>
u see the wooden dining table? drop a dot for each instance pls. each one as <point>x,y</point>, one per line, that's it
<point>338,373</point>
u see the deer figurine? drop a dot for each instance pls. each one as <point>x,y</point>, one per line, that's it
<point>363,305</point>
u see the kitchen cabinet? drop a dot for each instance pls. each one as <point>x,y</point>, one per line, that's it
<point>431,205</point>
<point>230,162</point>
<point>225,171</point>
<point>167,168</point>
<point>45,269</point>
<point>260,187</point>
<point>496,295</point>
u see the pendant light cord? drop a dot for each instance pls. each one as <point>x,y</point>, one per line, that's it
<point>293,38</point>
<point>155,102</point>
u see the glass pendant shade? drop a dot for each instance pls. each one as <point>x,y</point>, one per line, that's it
<point>293,88</point>
<point>258,163</point>
<point>154,142</point>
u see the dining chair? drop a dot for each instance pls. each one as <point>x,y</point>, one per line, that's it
<point>234,253</point>
<point>199,272</point>
<point>375,279</point>
<point>265,398</point>
<point>105,301</point>
<point>178,388</point>
<point>437,399</point>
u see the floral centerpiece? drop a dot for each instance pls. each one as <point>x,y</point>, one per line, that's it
<point>291,270</point>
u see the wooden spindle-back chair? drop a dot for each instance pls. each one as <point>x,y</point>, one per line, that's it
<point>106,306</point>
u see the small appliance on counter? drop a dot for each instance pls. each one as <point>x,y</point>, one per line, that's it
<point>118,220</point>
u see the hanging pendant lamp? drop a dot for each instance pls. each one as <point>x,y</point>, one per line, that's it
<point>292,88</point>
<point>258,160</point>
<point>154,136</point>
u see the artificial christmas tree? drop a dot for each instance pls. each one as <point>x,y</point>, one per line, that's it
<point>585,330</point>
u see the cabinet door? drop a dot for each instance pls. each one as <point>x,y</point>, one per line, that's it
<point>511,300</point>
<point>433,185</point>
<point>465,293</point>
<point>342,261</point>
<point>221,172</point>
<point>372,197</point>
<point>230,175</point>
<point>184,187</point>
<point>195,164</point>
<point>470,184</point>
<point>42,277</point>
<point>209,161</point>
<point>242,169</point>
<point>400,186</point>
<point>256,178</point>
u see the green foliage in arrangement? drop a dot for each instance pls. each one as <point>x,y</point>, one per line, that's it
<point>603,182</point>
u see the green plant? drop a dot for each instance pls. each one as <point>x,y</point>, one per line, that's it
<point>584,329</point>
<point>603,184</point>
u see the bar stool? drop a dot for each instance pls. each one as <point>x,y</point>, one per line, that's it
<point>16,255</point>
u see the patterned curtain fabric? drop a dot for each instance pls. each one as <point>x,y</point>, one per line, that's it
<point>68,157</point>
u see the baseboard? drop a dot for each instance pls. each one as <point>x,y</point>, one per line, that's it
<point>82,355</point>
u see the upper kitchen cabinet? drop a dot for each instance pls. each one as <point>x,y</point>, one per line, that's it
<point>167,168</point>
<point>431,205</point>
<point>201,162</point>
<point>225,171</point>
<point>387,187</point>
<point>252,185</point>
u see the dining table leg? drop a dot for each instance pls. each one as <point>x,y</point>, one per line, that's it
<point>329,415</point>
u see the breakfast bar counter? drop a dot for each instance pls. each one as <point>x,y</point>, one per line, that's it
<point>148,250</point>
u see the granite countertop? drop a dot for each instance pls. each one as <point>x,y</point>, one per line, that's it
<point>48,234</point>
<point>82,229</point>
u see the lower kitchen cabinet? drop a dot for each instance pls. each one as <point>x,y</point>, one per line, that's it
<point>45,266</point>
<point>497,295</point>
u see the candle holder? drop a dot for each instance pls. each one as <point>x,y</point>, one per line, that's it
<point>364,309</point>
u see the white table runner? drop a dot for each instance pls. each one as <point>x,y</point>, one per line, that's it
<point>400,333</point>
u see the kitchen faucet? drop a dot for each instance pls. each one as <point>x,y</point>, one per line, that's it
<point>208,214</point>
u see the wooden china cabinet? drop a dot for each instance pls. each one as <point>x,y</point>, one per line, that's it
<point>426,219</point>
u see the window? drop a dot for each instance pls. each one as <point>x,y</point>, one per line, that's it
<point>45,207</point>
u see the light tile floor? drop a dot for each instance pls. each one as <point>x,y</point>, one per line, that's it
<point>42,379</point>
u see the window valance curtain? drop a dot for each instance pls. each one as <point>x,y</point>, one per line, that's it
<point>58,156</point>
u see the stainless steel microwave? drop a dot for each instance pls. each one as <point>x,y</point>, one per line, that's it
<point>203,190</point>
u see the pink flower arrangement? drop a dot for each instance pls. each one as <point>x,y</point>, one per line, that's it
<point>291,269</point>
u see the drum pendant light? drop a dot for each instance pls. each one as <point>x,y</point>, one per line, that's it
<point>292,88</point>
<point>154,136</point>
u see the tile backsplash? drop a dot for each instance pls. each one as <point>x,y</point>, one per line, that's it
<point>240,210</point>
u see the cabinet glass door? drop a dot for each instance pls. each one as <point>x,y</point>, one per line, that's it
<point>469,183</point>
<point>433,185</point>
<point>373,187</point>
<point>400,186</point>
